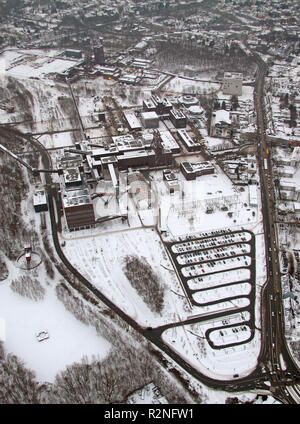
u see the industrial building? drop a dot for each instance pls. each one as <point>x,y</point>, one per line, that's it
<point>40,200</point>
<point>72,177</point>
<point>109,168</point>
<point>162,106</point>
<point>171,181</point>
<point>158,105</point>
<point>136,159</point>
<point>190,144</point>
<point>188,100</point>
<point>99,54</point>
<point>150,119</point>
<point>75,54</point>
<point>253,195</point>
<point>139,190</point>
<point>150,150</point>
<point>76,200</point>
<point>148,105</point>
<point>108,72</point>
<point>177,118</point>
<point>69,161</point>
<point>168,141</point>
<point>193,170</point>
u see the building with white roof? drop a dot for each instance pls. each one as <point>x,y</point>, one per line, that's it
<point>40,200</point>
<point>253,195</point>
<point>221,124</point>
<point>150,119</point>
<point>132,121</point>
<point>168,141</point>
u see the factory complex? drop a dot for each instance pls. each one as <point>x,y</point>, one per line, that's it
<point>119,163</point>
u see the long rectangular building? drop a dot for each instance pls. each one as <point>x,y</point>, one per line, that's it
<point>40,201</point>
<point>168,141</point>
<point>189,143</point>
<point>177,118</point>
<point>193,170</point>
<point>132,120</point>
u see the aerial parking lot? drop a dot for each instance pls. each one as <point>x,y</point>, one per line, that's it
<point>206,296</point>
<point>216,253</point>
<point>221,347</point>
<point>212,261</point>
<point>218,279</point>
<point>217,273</point>
<point>207,241</point>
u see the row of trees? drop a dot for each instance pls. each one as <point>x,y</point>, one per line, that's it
<point>13,189</point>
<point>17,383</point>
<point>3,268</point>
<point>145,281</point>
<point>28,287</point>
<point>175,57</point>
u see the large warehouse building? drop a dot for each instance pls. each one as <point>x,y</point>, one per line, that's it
<point>76,201</point>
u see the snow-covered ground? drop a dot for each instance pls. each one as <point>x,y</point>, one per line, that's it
<point>99,257</point>
<point>69,339</point>
<point>182,85</point>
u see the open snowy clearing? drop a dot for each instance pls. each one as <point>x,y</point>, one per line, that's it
<point>100,258</point>
<point>69,339</point>
<point>182,85</point>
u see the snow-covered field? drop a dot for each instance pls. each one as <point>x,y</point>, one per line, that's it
<point>182,85</point>
<point>69,339</point>
<point>100,257</point>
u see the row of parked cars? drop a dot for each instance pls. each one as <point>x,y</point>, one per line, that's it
<point>202,244</point>
<point>197,269</point>
<point>216,253</point>
<point>201,235</point>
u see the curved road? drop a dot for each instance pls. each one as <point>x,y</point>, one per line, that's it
<point>284,371</point>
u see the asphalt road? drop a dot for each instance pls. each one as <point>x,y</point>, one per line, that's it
<point>275,351</point>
